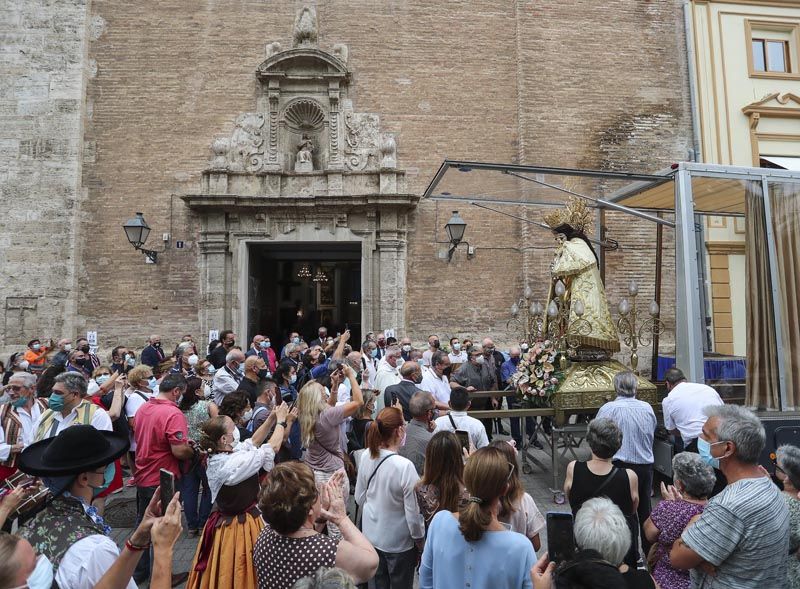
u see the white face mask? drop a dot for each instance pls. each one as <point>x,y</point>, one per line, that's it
<point>42,575</point>
<point>193,360</point>
<point>207,391</point>
<point>456,347</point>
<point>236,436</point>
<point>67,347</point>
<point>247,416</point>
<point>24,364</point>
<point>479,359</point>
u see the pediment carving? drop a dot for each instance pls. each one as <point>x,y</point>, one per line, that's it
<point>774,103</point>
<point>304,136</point>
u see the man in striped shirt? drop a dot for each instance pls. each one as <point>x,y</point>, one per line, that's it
<point>637,421</point>
<point>741,540</point>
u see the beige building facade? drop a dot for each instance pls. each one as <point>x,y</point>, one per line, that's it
<point>746,65</point>
<point>266,140</point>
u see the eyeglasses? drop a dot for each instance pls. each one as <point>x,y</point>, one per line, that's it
<point>16,387</point>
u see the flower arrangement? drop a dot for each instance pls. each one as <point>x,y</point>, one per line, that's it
<point>536,378</point>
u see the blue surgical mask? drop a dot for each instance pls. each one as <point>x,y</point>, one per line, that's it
<point>152,383</point>
<point>265,344</point>
<point>240,369</point>
<point>210,369</point>
<point>704,449</point>
<point>295,340</point>
<point>374,353</point>
<point>56,402</point>
<point>293,379</point>
<point>130,361</point>
<point>19,403</point>
<point>102,378</point>
<point>42,575</point>
<point>108,476</point>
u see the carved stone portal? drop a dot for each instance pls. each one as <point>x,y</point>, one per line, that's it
<point>303,166</point>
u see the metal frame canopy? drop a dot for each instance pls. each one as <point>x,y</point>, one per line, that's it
<point>685,190</point>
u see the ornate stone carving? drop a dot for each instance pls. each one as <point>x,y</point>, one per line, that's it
<point>246,144</point>
<point>341,52</point>
<point>304,114</point>
<point>219,151</point>
<point>305,28</point>
<point>303,162</point>
<point>388,151</point>
<point>272,49</point>
<point>361,139</point>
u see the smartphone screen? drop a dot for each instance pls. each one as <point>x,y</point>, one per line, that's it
<point>560,537</point>
<point>463,437</point>
<point>167,483</point>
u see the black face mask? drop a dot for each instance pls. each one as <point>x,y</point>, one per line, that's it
<point>436,343</point>
<point>447,371</point>
<point>157,345</point>
<point>263,373</point>
<point>86,363</point>
<point>417,378</point>
<point>84,348</point>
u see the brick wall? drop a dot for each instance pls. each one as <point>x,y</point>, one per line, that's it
<point>586,83</point>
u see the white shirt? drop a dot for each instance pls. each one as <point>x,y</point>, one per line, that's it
<point>438,386</point>
<point>683,408</point>
<point>477,433</point>
<point>86,561</point>
<point>29,421</point>
<point>100,420</point>
<point>389,503</point>
<point>368,374</point>
<point>237,466</point>
<point>426,357</point>
<point>5,446</point>
<point>459,358</point>
<point>385,376</point>
<point>132,405</point>
<point>225,382</point>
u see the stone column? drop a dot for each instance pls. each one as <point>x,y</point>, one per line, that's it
<point>214,262</point>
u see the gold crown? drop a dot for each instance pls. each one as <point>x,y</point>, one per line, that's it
<point>575,214</point>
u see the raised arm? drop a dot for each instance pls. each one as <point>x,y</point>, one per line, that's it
<point>357,398</point>
<point>338,354</point>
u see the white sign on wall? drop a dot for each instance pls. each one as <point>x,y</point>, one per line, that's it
<point>212,335</point>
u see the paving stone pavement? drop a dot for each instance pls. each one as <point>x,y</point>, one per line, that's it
<point>538,484</point>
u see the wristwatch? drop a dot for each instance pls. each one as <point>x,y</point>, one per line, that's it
<point>282,424</point>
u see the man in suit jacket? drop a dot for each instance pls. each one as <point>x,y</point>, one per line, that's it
<point>411,374</point>
<point>153,355</point>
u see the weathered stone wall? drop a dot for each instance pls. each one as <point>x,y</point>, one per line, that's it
<point>42,71</point>
<point>586,83</point>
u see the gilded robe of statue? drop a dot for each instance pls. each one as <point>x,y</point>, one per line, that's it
<point>576,266</point>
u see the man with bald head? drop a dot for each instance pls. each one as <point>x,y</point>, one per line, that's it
<point>153,355</point>
<point>411,377</point>
<point>255,370</point>
<point>494,360</point>
<point>227,379</point>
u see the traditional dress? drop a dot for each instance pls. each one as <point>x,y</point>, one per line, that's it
<point>224,557</point>
<point>576,266</point>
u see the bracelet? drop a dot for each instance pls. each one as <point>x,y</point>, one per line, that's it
<point>282,424</point>
<point>134,548</point>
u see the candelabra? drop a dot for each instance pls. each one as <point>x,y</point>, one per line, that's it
<point>527,317</point>
<point>634,330</point>
<point>561,330</point>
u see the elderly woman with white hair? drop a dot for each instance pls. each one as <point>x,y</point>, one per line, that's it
<point>602,538</point>
<point>787,471</point>
<point>694,480</point>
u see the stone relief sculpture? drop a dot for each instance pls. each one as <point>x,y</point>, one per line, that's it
<point>305,28</point>
<point>362,141</point>
<point>388,151</point>
<point>303,162</point>
<point>245,151</point>
<point>272,49</point>
<point>341,52</point>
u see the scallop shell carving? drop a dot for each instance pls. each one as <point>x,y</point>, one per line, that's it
<point>304,115</point>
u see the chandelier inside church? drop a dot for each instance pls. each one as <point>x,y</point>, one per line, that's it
<point>304,271</point>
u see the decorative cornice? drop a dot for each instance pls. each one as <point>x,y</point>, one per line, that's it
<point>725,247</point>
<point>342,203</point>
<point>761,106</point>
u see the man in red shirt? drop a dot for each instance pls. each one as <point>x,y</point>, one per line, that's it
<point>162,441</point>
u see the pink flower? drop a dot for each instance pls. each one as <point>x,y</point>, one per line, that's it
<point>541,393</point>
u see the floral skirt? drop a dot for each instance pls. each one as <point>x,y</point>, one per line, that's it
<point>224,557</point>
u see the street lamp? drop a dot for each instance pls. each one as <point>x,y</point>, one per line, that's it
<point>455,228</point>
<point>137,230</point>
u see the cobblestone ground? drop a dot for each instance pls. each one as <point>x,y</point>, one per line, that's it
<point>538,483</point>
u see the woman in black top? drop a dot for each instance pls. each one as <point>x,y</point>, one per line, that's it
<point>597,477</point>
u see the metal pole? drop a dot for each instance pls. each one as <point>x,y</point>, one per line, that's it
<point>657,295</point>
<point>689,340</point>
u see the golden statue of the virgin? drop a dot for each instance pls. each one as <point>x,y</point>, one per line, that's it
<point>576,265</point>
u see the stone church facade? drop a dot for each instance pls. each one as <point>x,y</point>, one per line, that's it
<point>254,132</point>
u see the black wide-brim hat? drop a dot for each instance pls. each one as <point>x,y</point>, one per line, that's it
<point>77,449</point>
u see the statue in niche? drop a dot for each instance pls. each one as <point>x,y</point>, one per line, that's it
<point>305,28</point>
<point>303,161</point>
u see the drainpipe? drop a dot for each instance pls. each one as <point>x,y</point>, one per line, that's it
<point>692,65</point>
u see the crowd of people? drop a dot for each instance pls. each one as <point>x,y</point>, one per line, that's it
<point>266,445</point>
